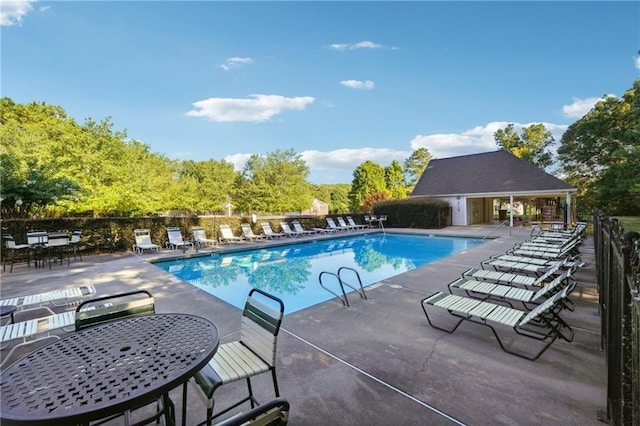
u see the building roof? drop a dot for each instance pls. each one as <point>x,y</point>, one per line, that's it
<point>497,172</point>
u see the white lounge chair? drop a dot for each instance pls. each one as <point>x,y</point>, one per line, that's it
<point>286,229</point>
<point>332,225</point>
<point>66,297</point>
<point>268,232</point>
<point>508,278</point>
<point>200,236</point>
<point>297,227</point>
<point>174,234</point>
<point>227,235</point>
<point>354,225</point>
<point>143,241</point>
<point>247,231</point>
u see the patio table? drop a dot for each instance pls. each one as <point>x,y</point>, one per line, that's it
<point>106,370</point>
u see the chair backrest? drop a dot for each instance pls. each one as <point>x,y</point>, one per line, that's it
<point>9,242</point>
<point>297,226</point>
<point>143,236</point>
<point>547,305</point>
<point>261,325</point>
<point>175,235</point>
<point>58,239</point>
<point>266,228</point>
<point>341,222</point>
<point>351,221</point>
<point>246,230</point>
<point>103,309</point>
<point>198,233</point>
<point>37,237</point>
<point>226,231</point>
<point>553,286</point>
<point>75,236</point>
<point>272,413</point>
<point>331,223</point>
<point>285,228</point>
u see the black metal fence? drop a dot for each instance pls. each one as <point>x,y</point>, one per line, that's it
<point>618,273</point>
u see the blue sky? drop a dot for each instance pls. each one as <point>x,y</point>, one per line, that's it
<point>338,82</point>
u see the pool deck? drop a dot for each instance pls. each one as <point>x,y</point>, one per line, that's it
<point>379,362</point>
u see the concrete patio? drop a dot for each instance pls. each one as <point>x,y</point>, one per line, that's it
<point>379,362</point>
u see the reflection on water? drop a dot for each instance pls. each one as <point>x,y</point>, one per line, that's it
<point>291,272</point>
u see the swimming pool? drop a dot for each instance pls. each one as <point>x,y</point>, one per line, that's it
<point>291,272</point>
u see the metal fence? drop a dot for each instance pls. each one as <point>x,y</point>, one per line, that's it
<point>618,273</point>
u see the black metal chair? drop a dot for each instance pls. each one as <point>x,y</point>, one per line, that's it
<point>255,353</point>
<point>15,253</point>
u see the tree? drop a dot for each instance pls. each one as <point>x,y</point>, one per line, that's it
<point>531,146</point>
<point>368,177</point>
<point>414,166</point>
<point>275,183</point>
<point>394,179</point>
<point>336,195</point>
<point>599,153</point>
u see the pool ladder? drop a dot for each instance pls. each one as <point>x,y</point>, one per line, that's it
<point>338,276</point>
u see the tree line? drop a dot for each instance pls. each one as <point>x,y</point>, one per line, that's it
<point>50,165</point>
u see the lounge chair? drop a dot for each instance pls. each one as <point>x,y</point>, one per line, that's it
<point>255,353</point>
<point>143,241</point>
<point>247,231</point>
<point>74,243</point>
<point>526,265</point>
<point>200,237</point>
<point>297,227</point>
<point>268,232</point>
<point>174,234</point>
<point>343,224</point>
<point>332,225</point>
<point>542,323</point>
<point>227,235</point>
<point>541,253</point>
<point>507,293</point>
<point>286,229</point>
<point>354,225</point>
<point>66,297</point>
<point>509,278</point>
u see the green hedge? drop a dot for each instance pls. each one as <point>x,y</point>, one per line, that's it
<point>423,213</point>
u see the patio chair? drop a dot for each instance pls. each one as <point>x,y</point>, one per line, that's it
<point>286,229</point>
<point>507,293</point>
<point>174,234</point>
<point>542,323</point>
<point>268,232</point>
<point>15,253</point>
<point>343,224</point>
<point>200,237</point>
<point>57,248</point>
<point>509,278</point>
<point>247,231</point>
<point>74,242</point>
<point>354,225</point>
<point>525,265</point>
<point>255,353</point>
<point>297,227</point>
<point>541,253</point>
<point>143,241</point>
<point>332,225</point>
<point>272,413</point>
<point>104,309</point>
<point>69,297</point>
<point>226,235</point>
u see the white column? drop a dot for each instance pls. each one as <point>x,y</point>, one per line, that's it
<point>569,210</point>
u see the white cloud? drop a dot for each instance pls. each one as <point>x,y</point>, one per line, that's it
<point>238,160</point>
<point>349,158</point>
<point>580,107</point>
<point>358,84</point>
<point>354,46</point>
<point>475,140</point>
<point>12,11</point>
<point>636,61</point>
<point>235,62</point>
<point>255,109</point>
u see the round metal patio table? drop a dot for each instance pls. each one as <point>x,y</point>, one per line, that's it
<point>106,370</point>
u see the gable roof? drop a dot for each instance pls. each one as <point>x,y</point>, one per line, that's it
<point>486,173</point>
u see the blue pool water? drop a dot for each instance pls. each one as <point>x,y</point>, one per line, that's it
<point>291,272</point>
